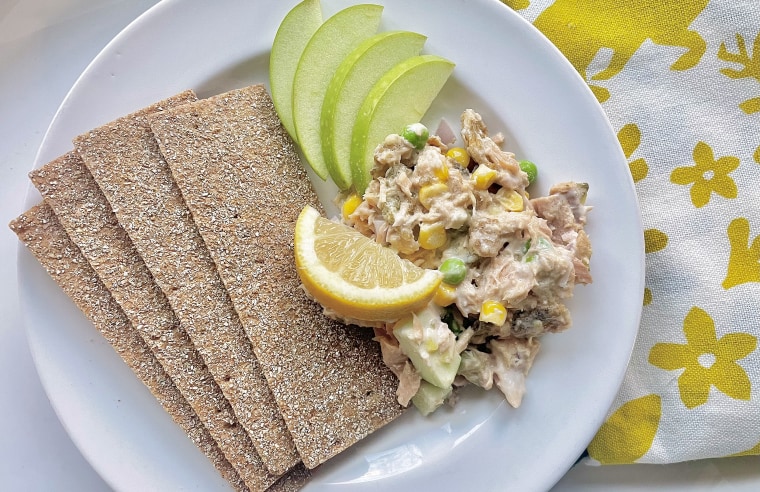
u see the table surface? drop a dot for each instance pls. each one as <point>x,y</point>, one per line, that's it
<point>44,46</point>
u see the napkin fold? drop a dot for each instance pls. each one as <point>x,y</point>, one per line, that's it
<point>680,83</point>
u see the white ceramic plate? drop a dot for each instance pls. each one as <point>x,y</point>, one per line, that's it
<point>524,88</point>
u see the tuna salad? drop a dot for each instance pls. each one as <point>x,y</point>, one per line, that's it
<point>509,262</point>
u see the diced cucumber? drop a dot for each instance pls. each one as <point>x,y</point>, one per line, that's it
<point>429,397</point>
<point>436,362</point>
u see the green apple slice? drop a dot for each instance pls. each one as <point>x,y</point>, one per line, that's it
<point>292,36</point>
<point>356,75</point>
<point>401,96</point>
<point>324,52</point>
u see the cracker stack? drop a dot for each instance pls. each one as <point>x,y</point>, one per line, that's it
<point>40,230</point>
<point>172,230</point>
<point>139,186</point>
<point>328,378</point>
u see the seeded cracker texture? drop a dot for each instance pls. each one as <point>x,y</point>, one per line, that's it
<point>245,186</point>
<point>125,161</point>
<point>295,480</point>
<point>86,216</point>
<point>43,235</point>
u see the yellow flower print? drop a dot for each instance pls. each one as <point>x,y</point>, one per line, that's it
<point>630,137</point>
<point>706,360</point>
<point>750,452</point>
<point>744,258</point>
<point>751,63</point>
<point>708,175</point>
<point>517,4</point>
<point>581,29</point>
<point>756,155</point>
<point>647,296</point>
<point>654,240</point>
<point>628,433</point>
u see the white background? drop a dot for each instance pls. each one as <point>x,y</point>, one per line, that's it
<point>44,46</point>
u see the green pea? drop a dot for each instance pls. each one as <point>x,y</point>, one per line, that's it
<point>416,134</point>
<point>454,271</point>
<point>530,169</point>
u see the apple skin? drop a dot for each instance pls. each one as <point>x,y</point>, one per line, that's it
<point>401,96</point>
<point>292,36</point>
<point>321,57</point>
<point>349,87</point>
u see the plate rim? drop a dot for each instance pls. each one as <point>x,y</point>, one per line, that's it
<point>32,198</point>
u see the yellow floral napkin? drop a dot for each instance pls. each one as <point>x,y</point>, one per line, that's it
<point>680,83</point>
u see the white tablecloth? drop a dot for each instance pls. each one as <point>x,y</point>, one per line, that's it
<point>44,46</point>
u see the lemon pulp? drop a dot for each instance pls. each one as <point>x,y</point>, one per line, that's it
<point>356,277</point>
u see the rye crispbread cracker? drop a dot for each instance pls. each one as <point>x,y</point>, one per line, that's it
<point>125,161</point>
<point>42,233</point>
<point>87,217</point>
<point>244,184</point>
<point>292,481</point>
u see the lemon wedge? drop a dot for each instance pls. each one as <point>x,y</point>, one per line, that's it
<point>356,277</point>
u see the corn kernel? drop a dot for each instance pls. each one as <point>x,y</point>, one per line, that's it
<point>511,200</point>
<point>445,295</point>
<point>428,192</point>
<point>350,205</point>
<point>432,236</point>
<point>493,312</point>
<point>483,177</point>
<point>442,172</point>
<point>431,345</point>
<point>460,155</point>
